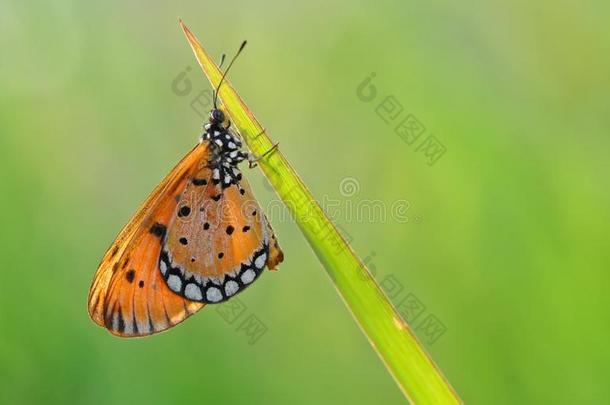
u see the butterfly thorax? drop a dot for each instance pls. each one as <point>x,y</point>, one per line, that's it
<point>226,154</point>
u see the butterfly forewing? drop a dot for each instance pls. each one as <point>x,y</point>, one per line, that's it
<point>128,295</point>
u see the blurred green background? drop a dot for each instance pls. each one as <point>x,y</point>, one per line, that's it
<point>505,244</point>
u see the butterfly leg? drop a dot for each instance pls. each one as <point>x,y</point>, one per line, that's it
<point>262,132</point>
<point>252,160</point>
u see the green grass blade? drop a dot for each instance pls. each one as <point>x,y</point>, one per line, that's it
<point>412,368</point>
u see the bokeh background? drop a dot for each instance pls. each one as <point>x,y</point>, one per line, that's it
<point>505,240</point>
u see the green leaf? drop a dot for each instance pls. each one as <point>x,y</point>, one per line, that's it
<point>412,368</point>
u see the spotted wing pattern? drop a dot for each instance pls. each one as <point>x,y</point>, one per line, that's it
<point>219,240</point>
<point>128,295</point>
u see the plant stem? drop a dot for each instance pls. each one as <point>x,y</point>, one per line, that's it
<point>412,368</point>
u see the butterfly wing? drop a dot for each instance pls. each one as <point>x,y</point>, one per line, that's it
<point>128,295</point>
<point>219,241</point>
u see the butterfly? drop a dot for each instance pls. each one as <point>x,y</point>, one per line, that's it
<point>199,238</point>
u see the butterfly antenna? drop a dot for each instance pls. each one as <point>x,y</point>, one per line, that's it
<point>242,46</point>
<point>222,60</point>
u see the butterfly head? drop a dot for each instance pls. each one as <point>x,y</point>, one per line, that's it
<point>217,117</point>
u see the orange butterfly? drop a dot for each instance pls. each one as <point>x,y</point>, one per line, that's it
<point>199,238</point>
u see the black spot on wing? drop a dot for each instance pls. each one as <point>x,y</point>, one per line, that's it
<point>158,230</point>
<point>130,275</point>
<point>184,211</point>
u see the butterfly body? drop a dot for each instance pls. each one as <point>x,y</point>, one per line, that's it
<point>199,238</point>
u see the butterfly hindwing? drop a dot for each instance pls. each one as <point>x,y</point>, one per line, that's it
<point>218,241</point>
